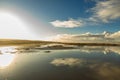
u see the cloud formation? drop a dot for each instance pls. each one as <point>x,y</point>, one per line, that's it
<point>71,23</point>
<point>106,10</point>
<point>88,37</point>
<point>115,35</point>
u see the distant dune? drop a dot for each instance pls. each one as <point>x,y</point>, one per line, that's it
<point>10,42</point>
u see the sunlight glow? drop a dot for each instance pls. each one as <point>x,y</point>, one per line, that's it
<point>6,60</point>
<point>4,50</point>
<point>11,26</point>
<point>6,57</point>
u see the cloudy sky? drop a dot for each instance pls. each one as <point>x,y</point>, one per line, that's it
<point>76,20</point>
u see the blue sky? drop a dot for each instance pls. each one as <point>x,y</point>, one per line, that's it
<point>81,15</point>
<point>50,10</point>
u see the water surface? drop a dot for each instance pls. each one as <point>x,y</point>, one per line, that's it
<point>83,63</point>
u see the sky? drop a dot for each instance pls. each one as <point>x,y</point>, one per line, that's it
<point>61,20</point>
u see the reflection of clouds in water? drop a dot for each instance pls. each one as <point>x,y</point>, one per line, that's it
<point>100,49</point>
<point>67,62</point>
<point>94,49</point>
<point>4,50</point>
<point>115,49</point>
<point>102,70</point>
<point>85,49</point>
<point>105,71</point>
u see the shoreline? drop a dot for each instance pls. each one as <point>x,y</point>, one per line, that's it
<point>10,42</point>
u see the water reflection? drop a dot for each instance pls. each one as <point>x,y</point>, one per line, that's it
<point>115,49</point>
<point>4,50</point>
<point>82,63</point>
<point>92,69</point>
<point>6,57</point>
<point>100,49</point>
<point>6,60</point>
<point>67,62</point>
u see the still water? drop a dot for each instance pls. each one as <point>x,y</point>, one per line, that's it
<point>83,63</point>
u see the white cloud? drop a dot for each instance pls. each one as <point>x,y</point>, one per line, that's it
<point>71,23</point>
<point>106,10</point>
<point>115,35</point>
<point>88,37</point>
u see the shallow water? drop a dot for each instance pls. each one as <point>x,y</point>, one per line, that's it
<point>85,63</point>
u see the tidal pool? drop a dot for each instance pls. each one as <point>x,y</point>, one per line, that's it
<point>83,63</point>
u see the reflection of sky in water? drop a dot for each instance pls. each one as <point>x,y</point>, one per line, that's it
<point>4,50</point>
<point>85,63</point>
<point>67,62</point>
<point>6,57</point>
<point>6,60</point>
<point>95,68</point>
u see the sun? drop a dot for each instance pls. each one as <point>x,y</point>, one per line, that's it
<point>12,26</point>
